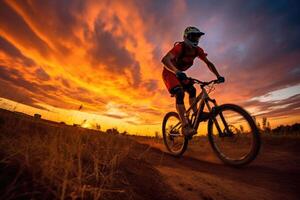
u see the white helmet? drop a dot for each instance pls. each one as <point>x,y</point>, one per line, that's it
<point>191,36</point>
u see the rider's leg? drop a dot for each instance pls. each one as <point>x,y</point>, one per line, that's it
<point>192,97</point>
<point>187,130</point>
<point>174,87</point>
<point>179,94</point>
<point>181,111</point>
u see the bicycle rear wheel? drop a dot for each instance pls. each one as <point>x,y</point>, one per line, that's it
<point>233,135</point>
<point>174,141</point>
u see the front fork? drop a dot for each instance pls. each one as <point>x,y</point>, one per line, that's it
<point>213,111</point>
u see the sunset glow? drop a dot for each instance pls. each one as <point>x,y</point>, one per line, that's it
<point>100,61</point>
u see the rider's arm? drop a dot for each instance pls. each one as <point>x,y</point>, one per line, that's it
<point>203,56</point>
<point>211,67</point>
<point>166,60</point>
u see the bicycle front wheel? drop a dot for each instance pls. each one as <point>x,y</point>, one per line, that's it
<point>233,135</point>
<point>174,141</point>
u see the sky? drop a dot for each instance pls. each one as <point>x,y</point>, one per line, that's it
<point>100,61</point>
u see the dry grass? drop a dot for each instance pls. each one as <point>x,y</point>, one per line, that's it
<point>61,162</point>
<point>45,160</point>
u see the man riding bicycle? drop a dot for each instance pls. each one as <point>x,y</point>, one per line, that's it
<point>179,59</point>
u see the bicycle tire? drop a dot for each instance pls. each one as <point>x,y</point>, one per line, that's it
<point>165,135</point>
<point>255,147</point>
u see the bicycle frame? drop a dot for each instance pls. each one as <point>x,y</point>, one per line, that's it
<point>204,100</point>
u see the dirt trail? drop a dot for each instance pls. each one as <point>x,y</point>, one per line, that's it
<point>199,175</point>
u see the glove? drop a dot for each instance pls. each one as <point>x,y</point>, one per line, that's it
<point>221,79</point>
<point>181,76</point>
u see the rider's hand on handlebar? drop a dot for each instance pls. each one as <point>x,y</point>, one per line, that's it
<point>181,76</point>
<point>221,79</point>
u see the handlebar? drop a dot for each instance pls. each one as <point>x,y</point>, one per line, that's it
<point>203,83</point>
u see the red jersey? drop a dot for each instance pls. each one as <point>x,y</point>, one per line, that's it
<point>184,58</point>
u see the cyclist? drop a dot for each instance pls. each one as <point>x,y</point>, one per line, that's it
<point>179,59</point>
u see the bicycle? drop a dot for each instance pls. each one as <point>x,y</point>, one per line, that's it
<point>231,129</point>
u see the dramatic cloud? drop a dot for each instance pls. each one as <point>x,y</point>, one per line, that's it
<point>105,55</point>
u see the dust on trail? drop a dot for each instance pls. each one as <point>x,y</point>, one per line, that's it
<point>199,174</point>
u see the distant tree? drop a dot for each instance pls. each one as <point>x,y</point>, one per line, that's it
<point>287,129</point>
<point>156,134</point>
<point>296,127</point>
<point>124,133</point>
<point>258,126</point>
<point>97,126</point>
<point>113,131</point>
<point>37,116</point>
<point>264,123</point>
<point>268,125</point>
<point>256,122</point>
